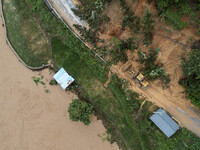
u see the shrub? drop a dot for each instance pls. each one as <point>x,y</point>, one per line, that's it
<point>157,72</point>
<point>142,56</point>
<point>124,7</point>
<point>80,111</point>
<point>120,47</point>
<point>91,11</point>
<point>88,35</point>
<point>147,28</point>
<point>198,32</point>
<point>131,21</point>
<point>103,52</point>
<point>151,70</point>
<point>105,18</point>
<point>53,82</point>
<point>150,58</point>
<point>191,70</point>
<point>171,12</point>
<point>174,19</point>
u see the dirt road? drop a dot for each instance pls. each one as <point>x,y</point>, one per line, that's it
<point>31,119</point>
<point>183,112</point>
<point>63,7</point>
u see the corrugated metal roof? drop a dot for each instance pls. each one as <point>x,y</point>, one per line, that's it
<point>166,124</point>
<point>63,78</point>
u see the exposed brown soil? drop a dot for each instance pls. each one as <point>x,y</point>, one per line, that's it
<point>139,8</point>
<point>31,119</point>
<point>142,105</point>
<point>76,2</point>
<point>172,46</point>
<point>108,81</point>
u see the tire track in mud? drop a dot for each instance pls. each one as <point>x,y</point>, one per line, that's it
<point>173,40</point>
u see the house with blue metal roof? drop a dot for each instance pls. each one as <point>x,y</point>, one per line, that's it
<point>164,122</point>
<point>63,78</point>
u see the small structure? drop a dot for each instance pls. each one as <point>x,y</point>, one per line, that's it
<point>63,78</point>
<point>166,124</point>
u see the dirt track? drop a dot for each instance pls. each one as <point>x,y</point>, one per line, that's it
<point>31,119</point>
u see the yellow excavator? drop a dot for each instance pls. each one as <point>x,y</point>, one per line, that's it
<point>134,74</point>
<point>144,83</point>
<point>140,78</point>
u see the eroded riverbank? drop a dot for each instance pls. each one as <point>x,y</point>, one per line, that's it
<point>31,119</point>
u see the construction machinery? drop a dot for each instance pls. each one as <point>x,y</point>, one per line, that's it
<point>139,78</point>
<point>144,83</point>
<point>134,74</point>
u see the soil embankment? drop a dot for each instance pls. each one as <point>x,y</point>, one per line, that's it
<point>31,119</point>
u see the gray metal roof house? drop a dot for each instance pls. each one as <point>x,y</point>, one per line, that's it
<point>166,124</point>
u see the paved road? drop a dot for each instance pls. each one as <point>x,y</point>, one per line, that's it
<point>65,7</point>
<point>189,117</point>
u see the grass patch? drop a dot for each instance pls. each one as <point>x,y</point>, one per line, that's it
<point>111,106</point>
<point>24,34</point>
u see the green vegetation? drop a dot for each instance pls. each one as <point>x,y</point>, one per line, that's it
<point>91,11</point>
<point>124,7</point>
<point>173,11</point>
<point>191,70</point>
<point>133,22</point>
<point>53,82</point>
<point>103,52</point>
<point>107,137</point>
<point>25,34</point>
<point>147,28</point>
<point>165,10</point>
<point>80,111</point>
<point>118,51</point>
<point>129,19</point>
<point>151,70</point>
<point>88,35</point>
<point>38,80</point>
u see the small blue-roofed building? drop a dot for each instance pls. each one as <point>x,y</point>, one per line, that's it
<point>63,78</point>
<point>164,122</point>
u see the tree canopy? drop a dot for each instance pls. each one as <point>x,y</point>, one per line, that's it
<point>191,67</point>
<point>80,111</point>
<point>191,70</point>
